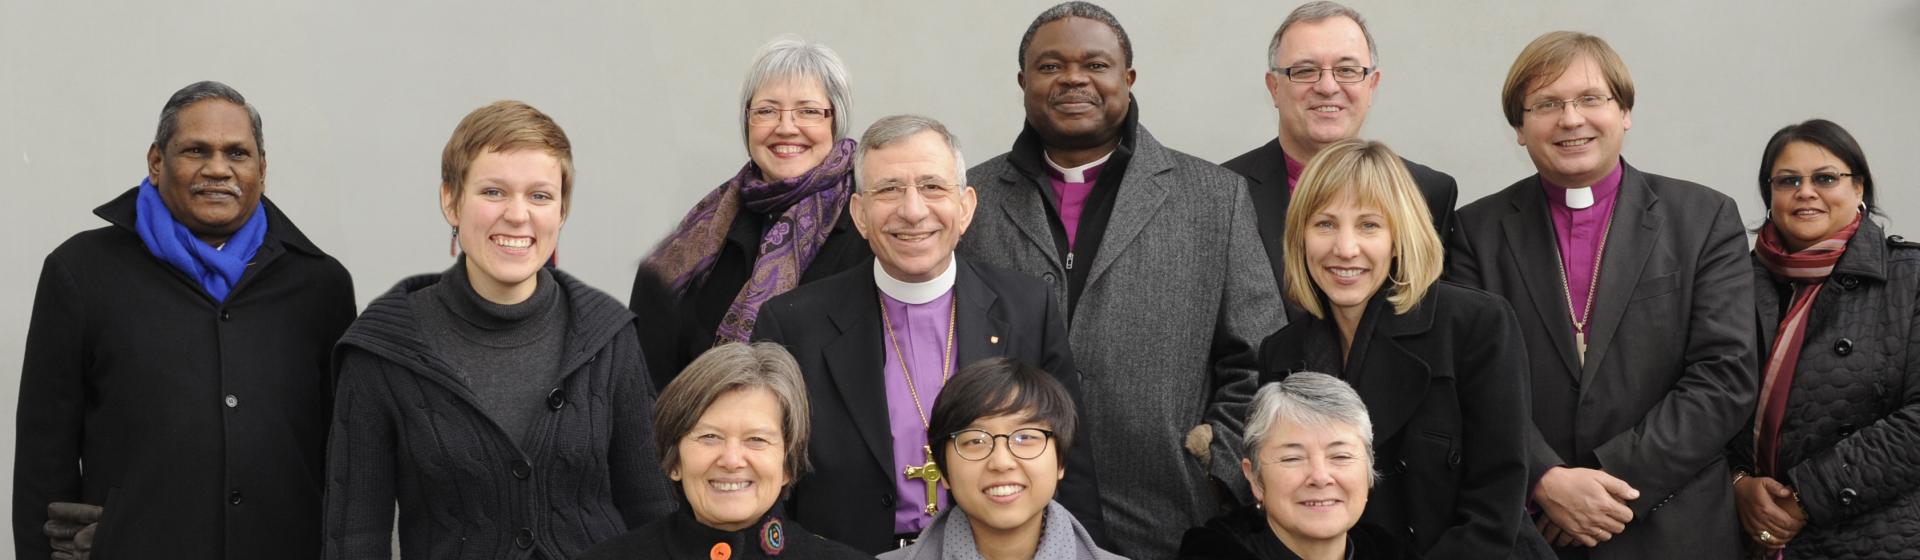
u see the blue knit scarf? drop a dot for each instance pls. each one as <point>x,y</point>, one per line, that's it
<point>217,269</point>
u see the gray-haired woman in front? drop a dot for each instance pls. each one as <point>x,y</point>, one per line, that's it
<point>1308,453</point>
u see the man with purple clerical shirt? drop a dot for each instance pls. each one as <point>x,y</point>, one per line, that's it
<point>1635,296</point>
<point>1322,70</point>
<point>877,343</point>
<point>1156,259</point>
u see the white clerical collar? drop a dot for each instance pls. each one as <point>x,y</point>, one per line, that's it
<point>1580,198</point>
<point>1077,174</point>
<point>915,293</point>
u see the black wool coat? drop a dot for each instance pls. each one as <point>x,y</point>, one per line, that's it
<point>1445,385</point>
<point>1851,440</point>
<point>201,425</point>
<point>681,536</point>
<point>406,427</point>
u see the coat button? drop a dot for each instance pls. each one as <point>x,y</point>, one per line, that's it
<point>1843,347</point>
<point>590,359</point>
<point>1846,430</point>
<point>226,315</point>
<point>235,498</point>
<point>232,401</point>
<point>523,538</point>
<point>556,399</point>
<point>1849,282</point>
<point>1847,495</point>
<point>886,501</point>
<point>1453,458</point>
<point>521,469</point>
<point>1048,276</point>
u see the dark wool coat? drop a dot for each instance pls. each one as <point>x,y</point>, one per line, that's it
<point>680,536</point>
<point>407,427</point>
<point>1243,534</point>
<point>201,425</point>
<point>1851,440</point>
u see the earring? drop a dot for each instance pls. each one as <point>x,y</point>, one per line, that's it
<point>453,243</point>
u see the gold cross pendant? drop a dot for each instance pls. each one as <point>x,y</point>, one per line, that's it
<point>1580,344</point>
<point>929,473</point>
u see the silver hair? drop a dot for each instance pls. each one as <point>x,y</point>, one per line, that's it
<point>892,129</point>
<point>195,93</point>
<point>1083,10</point>
<point>1310,399</point>
<point>1320,11</point>
<point>788,57</point>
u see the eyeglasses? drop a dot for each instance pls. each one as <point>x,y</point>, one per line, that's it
<point>929,191</point>
<point>1820,181</point>
<point>1024,443</point>
<point>1553,106</point>
<point>1311,74</point>
<point>802,116</point>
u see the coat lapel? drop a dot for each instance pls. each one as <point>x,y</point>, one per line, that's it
<point>1530,238</point>
<point>1142,190</point>
<point>1394,380</point>
<point>1630,242</point>
<point>982,323</point>
<point>856,360</point>
<point>1027,209</point>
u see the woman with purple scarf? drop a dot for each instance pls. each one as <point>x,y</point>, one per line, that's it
<point>779,222</point>
<point>1831,466</point>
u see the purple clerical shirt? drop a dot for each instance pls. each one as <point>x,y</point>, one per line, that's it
<point>1294,169</point>
<point>1071,187</point>
<point>921,330</point>
<point>1579,232</point>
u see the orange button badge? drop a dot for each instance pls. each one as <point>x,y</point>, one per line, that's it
<point>720,552</point>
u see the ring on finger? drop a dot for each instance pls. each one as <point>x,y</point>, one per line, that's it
<point>1766,537</point>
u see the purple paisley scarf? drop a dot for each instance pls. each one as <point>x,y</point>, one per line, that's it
<point>808,205</point>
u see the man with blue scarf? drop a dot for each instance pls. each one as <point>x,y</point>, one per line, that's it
<point>175,395</point>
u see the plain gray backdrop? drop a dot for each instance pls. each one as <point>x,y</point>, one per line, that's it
<point>359,98</point>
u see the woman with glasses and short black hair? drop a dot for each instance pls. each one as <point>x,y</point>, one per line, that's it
<point>1003,430</point>
<point>1831,465</point>
<point>779,222</point>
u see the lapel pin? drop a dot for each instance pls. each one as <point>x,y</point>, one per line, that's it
<point>993,340</point>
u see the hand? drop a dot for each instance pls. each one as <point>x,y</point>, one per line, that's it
<point>1586,506</point>
<point>70,528</point>
<point>1764,504</point>
<point>1199,444</point>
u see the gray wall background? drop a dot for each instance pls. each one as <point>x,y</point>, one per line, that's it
<point>360,96</point>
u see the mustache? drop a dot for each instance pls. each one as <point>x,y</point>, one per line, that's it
<point>1075,96</point>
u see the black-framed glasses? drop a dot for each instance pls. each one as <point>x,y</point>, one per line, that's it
<point>895,191</point>
<point>1553,106</point>
<point>1821,181</point>
<point>1311,74</point>
<point>1024,443</point>
<point>802,116</point>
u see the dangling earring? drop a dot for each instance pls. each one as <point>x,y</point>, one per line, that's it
<point>453,243</point>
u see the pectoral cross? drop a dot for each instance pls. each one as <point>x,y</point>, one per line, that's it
<point>930,474</point>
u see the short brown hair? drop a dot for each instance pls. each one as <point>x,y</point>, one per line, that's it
<point>1548,56</point>
<point>726,368</point>
<point>506,126</point>
<point>1372,176</point>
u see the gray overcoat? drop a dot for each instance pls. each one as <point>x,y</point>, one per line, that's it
<point>1165,333</point>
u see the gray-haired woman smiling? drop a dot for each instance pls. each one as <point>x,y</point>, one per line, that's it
<point>777,223</point>
<point>1308,453</point>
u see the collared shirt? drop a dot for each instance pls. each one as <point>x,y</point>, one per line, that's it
<point>1579,231</point>
<point>1294,169</point>
<point>1071,186</point>
<point>921,315</point>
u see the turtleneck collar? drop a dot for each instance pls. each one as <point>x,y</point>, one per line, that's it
<point>1076,174</point>
<point>915,293</point>
<point>489,319</point>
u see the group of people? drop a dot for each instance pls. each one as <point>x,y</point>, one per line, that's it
<point>1089,346</point>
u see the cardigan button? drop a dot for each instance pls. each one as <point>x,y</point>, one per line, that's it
<point>1048,276</point>
<point>556,399</point>
<point>523,538</point>
<point>521,469</point>
<point>1843,347</point>
<point>1847,495</point>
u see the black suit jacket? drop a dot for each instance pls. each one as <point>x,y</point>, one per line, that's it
<point>1266,171</point>
<point>833,329</point>
<point>1669,375</point>
<point>1446,387</point>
